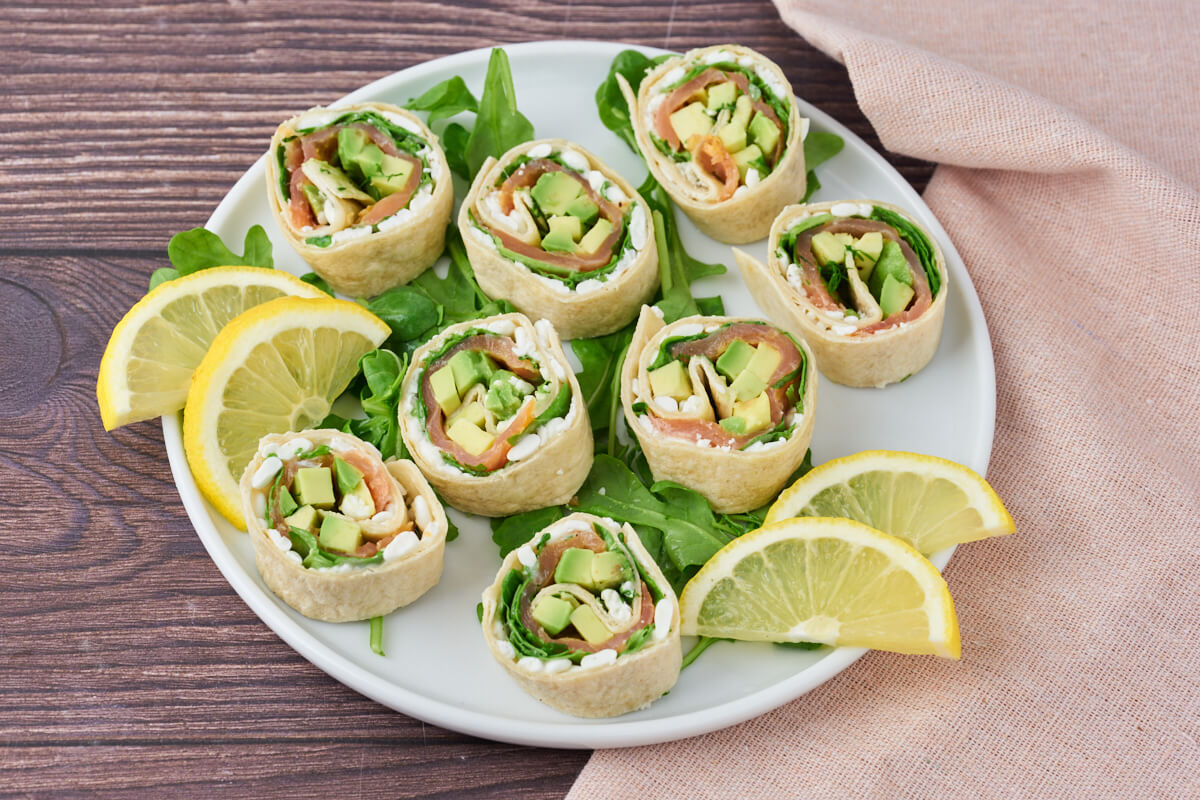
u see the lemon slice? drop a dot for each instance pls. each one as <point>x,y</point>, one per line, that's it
<point>928,502</point>
<point>275,368</point>
<point>833,581</point>
<point>154,349</point>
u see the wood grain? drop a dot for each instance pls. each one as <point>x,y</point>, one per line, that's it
<point>129,666</point>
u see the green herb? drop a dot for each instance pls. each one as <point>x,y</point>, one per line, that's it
<point>677,269</point>
<point>610,102</point>
<point>381,372</point>
<point>320,241</point>
<point>377,635</point>
<point>285,187</point>
<point>638,640</point>
<point>317,281</point>
<point>800,645</point>
<point>307,546</point>
<point>509,533</point>
<point>819,147</point>
<point>444,100</point>
<point>197,249</point>
<point>916,240</point>
<point>701,645</point>
<point>458,294</point>
<point>410,313</point>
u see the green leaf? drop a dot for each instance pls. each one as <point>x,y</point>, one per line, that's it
<point>499,126</point>
<point>512,532</point>
<point>162,275</point>
<point>819,147</point>
<point>454,143</point>
<point>610,102</point>
<point>458,293</point>
<point>377,636</point>
<point>199,249</point>
<point>317,281</point>
<point>408,312</point>
<point>444,100</point>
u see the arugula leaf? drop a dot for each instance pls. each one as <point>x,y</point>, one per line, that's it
<point>499,126</point>
<point>412,315</point>
<point>512,532</point>
<point>162,275</point>
<point>819,147</point>
<point>381,373</point>
<point>458,293</point>
<point>610,102</point>
<point>454,143</point>
<point>444,100</point>
<point>197,249</point>
<point>317,281</point>
<point>600,380</point>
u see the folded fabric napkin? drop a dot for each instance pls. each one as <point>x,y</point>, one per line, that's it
<point>1067,137</point>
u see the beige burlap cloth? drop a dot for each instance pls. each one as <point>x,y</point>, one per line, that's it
<point>1069,139</point>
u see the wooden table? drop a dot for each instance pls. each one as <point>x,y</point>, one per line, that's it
<point>128,666</point>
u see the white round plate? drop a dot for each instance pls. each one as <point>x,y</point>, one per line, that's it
<point>437,667</point>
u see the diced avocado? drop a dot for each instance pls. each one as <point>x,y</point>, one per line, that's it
<point>303,518</point>
<point>756,413</point>
<point>589,625</point>
<point>358,503</point>
<point>287,505</point>
<point>733,137</point>
<point>554,192</point>
<point>866,253</point>
<point>691,121</point>
<point>894,297</point>
<point>347,476</point>
<point>564,230</point>
<point>445,391</point>
<point>763,133</point>
<point>334,181</point>
<point>394,174</point>
<point>742,110</point>
<point>826,247</point>
<point>552,614</point>
<point>735,358</point>
<point>340,534</point>
<point>723,94</point>
<point>747,385</point>
<point>359,156</point>
<point>314,487</point>
<point>891,262</point>
<point>745,159</point>
<point>734,425</point>
<point>470,437</point>
<point>592,240</point>
<point>671,380</point>
<point>608,570</point>
<point>502,399</point>
<point>583,209</point>
<point>470,367</point>
<point>472,412</point>
<point>766,359</point>
<point>575,566</point>
<point>315,199</point>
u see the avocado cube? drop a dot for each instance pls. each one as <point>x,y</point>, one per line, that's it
<point>502,399</point>
<point>742,110</point>
<point>826,247</point>
<point>608,570</point>
<point>750,157</point>
<point>564,230</point>
<point>592,240</point>
<point>554,192</point>
<point>721,95</point>
<point>733,425</point>
<point>347,476</point>
<point>315,199</point>
<point>304,518</point>
<point>314,487</point>
<point>552,614</point>
<point>358,503</point>
<point>472,412</point>
<point>470,436</point>
<point>470,367</point>
<point>747,385</point>
<point>765,361</point>
<point>894,297</point>
<point>891,262</point>
<point>866,253</point>
<point>764,133</point>
<point>359,156</point>
<point>671,380</point>
<point>339,534</point>
<point>393,175</point>
<point>575,566</point>
<point>735,358</point>
<point>733,137</point>
<point>583,209</point>
<point>755,414</point>
<point>589,625</point>
<point>445,391</point>
<point>689,121</point>
<point>287,505</point>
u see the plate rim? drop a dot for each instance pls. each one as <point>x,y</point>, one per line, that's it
<point>570,733</point>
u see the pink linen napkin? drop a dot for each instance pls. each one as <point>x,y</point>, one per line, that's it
<point>1068,137</point>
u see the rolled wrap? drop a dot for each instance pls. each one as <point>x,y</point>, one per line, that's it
<point>862,348</point>
<point>684,441</point>
<point>731,205</point>
<point>606,678</point>
<point>363,244</point>
<point>408,527</point>
<point>584,294</point>
<point>529,464</point>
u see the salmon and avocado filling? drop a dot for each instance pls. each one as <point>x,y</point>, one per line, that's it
<point>330,507</point>
<point>737,386</point>
<point>570,597</point>
<point>568,223</point>
<point>725,120</point>
<point>350,175</point>
<point>482,402</point>
<point>874,270</point>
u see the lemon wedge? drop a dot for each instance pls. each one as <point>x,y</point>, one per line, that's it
<point>833,581</point>
<point>929,502</point>
<point>274,368</point>
<point>156,346</point>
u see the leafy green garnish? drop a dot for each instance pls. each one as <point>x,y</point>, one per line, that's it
<point>317,281</point>
<point>199,248</point>
<point>819,147</point>
<point>509,533</point>
<point>377,635</point>
<point>444,100</point>
<point>409,312</point>
<point>458,294</point>
<point>916,240</point>
<point>320,241</point>
<point>610,102</point>
<point>315,557</point>
<point>677,269</point>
